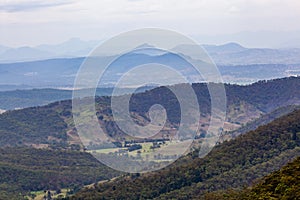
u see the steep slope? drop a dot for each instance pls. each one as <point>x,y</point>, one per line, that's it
<point>233,164</point>
<point>264,119</point>
<point>283,184</point>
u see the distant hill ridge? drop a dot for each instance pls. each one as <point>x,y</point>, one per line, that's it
<point>234,63</point>
<point>55,130</point>
<point>229,53</point>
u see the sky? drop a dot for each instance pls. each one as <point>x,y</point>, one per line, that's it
<point>264,23</point>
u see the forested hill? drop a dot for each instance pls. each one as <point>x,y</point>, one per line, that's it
<point>233,164</point>
<point>25,170</point>
<point>52,126</point>
<point>281,184</point>
<point>41,151</point>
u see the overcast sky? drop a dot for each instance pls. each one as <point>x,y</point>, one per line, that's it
<point>25,22</point>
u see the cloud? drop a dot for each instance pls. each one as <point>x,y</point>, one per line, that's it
<point>54,21</point>
<point>30,5</point>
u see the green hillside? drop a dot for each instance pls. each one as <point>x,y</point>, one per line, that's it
<point>40,149</point>
<point>39,125</point>
<point>52,126</point>
<point>283,184</point>
<point>26,169</point>
<point>234,164</point>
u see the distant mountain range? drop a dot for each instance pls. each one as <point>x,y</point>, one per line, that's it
<point>61,72</point>
<point>235,54</point>
<point>56,66</point>
<point>227,54</point>
<point>69,49</point>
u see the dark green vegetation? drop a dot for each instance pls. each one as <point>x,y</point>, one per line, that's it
<point>260,97</point>
<point>39,126</point>
<point>283,184</point>
<point>268,95</point>
<point>27,169</point>
<point>233,164</point>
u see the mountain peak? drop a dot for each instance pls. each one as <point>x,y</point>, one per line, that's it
<point>145,45</point>
<point>232,45</point>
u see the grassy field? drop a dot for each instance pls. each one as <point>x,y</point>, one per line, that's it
<point>39,195</point>
<point>169,148</point>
